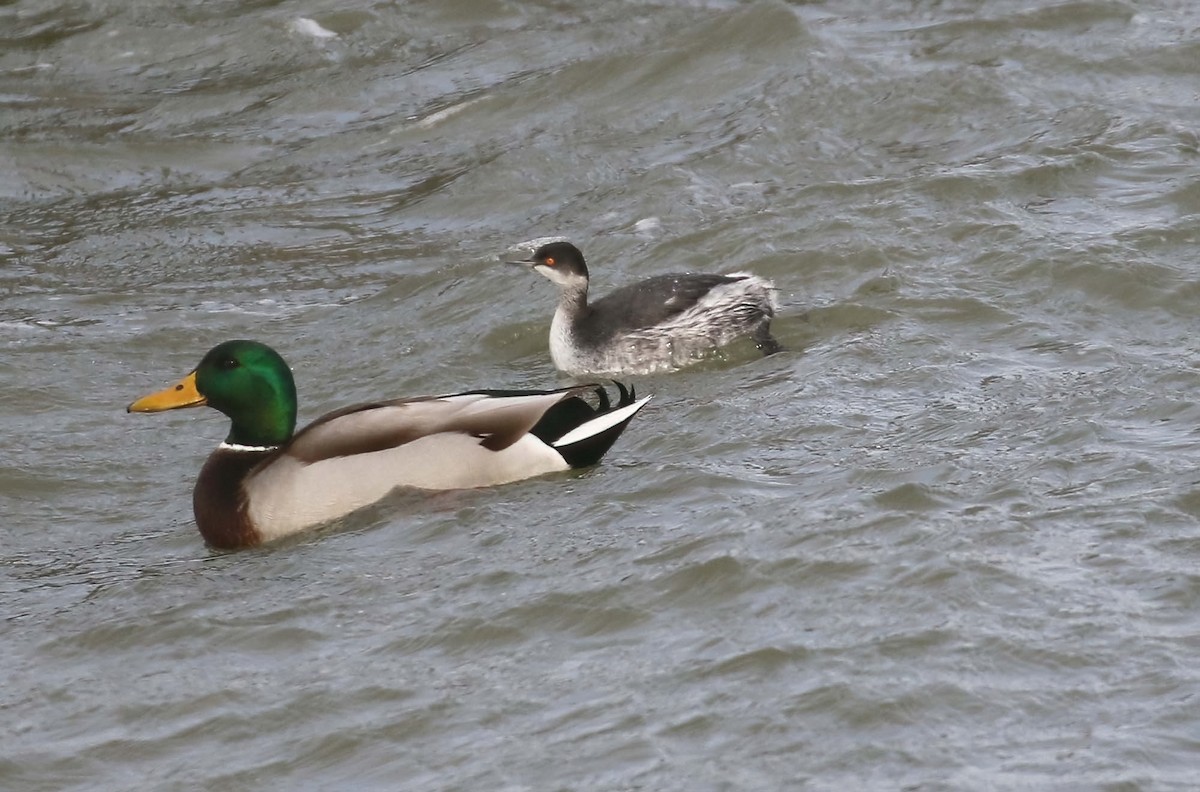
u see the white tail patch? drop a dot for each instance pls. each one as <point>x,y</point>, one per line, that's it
<point>597,425</point>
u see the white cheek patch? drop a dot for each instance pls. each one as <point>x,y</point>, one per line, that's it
<point>559,277</point>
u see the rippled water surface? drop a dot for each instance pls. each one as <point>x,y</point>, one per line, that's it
<point>950,540</point>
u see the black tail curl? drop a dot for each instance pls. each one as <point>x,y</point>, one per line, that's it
<point>572,412</point>
<point>627,396</point>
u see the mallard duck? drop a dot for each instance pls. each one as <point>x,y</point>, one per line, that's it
<point>658,324</point>
<point>266,481</point>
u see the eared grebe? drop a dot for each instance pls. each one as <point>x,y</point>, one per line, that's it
<point>658,324</point>
<point>266,481</point>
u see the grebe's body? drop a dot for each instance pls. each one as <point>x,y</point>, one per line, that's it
<point>659,324</point>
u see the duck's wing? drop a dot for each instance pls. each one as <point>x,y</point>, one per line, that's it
<point>497,418</point>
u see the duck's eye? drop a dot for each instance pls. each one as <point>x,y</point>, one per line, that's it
<point>550,261</point>
<point>229,363</point>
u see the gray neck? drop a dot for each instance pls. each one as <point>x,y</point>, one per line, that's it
<point>572,298</point>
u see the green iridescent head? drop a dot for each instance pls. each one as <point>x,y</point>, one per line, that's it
<point>247,381</point>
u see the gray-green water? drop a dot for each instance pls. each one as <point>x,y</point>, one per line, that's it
<point>949,541</point>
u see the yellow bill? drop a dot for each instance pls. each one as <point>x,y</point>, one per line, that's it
<point>181,394</point>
